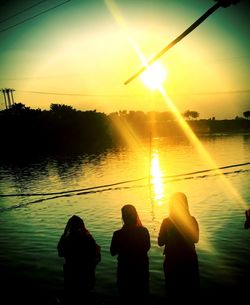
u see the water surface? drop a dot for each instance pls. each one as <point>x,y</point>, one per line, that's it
<point>30,226</point>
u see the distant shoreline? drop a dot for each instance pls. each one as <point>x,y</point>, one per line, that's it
<point>64,130</point>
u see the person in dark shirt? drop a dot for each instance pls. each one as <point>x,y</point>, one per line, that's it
<point>81,254</point>
<point>131,243</point>
<point>178,234</point>
<point>247,221</point>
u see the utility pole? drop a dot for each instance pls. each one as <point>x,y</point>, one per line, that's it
<point>8,97</point>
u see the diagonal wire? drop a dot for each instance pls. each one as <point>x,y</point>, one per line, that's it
<point>20,12</point>
<point>175,41</point>
<point>123,182</point>
<point>23,205</point>
<point>34,16</point>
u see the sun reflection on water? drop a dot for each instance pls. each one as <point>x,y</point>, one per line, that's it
<point>156,178</point>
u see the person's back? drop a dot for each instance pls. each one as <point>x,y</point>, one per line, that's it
<point>178,234</point>
<point>177,245</point>
<point>131,244</point>
<point>81,254</point>
<point>77,249</point>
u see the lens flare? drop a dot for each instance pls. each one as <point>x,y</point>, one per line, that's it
<point>229,189</point>
<point>154,76</point>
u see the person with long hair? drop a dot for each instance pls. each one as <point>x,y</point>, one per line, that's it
<point>179,233</point>
<point>82,254</point>
<point>131,244</point>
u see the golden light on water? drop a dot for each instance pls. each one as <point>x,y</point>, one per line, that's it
<point>202,151</point>
<point>157,192</point>
<point>156,178</point>
<point>156,82</point>
<point>154,76</point>
<point>155,169</point>
<point>227,186</point>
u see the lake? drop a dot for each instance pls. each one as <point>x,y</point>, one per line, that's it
<point>96,186</point>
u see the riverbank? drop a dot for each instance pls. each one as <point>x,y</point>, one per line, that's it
<point>64,130</point>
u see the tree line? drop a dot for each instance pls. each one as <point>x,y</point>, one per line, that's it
<point>63,129</point>
<point>58,130</point>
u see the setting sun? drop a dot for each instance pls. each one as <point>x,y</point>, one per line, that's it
<point>154,76</point>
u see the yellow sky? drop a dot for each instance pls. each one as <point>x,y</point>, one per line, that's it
<point>84,48</point>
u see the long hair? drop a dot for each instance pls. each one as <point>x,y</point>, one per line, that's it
<point>75,225</point>
<point>178,206</point>
<point>180,216</point>
<point>130,215</point>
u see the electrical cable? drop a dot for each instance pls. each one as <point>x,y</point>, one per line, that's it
<point>123,182</point>
<point>91,191</point>
<point>20,12</point>
<point>34,16</point>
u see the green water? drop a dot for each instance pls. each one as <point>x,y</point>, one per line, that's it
<point>31,226</point>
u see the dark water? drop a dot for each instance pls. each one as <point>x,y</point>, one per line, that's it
<point>30,226</point>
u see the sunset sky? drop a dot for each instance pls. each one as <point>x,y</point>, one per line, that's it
<point>80,53</point>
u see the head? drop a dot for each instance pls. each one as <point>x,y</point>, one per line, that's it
<point>74,225</point>
<point>178,205</point>
<point>130,215</point>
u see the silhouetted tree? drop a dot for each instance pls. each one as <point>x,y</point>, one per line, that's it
<point>186,114</point>
<point>61,108</point>
<point>246,114</point>
<point>238,118</point>
<point>17,108</point>
<point>194,114</point>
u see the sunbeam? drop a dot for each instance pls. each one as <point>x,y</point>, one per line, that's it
<point>230,190</point>
<point>227,186</point>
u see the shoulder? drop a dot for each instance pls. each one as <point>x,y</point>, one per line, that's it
<point>165,225</point>
<point>117,233</point>
<point>87,239</point>
<point>89,236</point>
<point>165,221</point>
<point>194,220</point>
<point>144,230</point>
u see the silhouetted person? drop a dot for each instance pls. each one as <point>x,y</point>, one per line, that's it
<point>81,254</point>
<point>178,233</point>
<point>247,221</point>
<point>131,243</point>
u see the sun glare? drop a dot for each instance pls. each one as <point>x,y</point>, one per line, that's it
<point>154,76</point>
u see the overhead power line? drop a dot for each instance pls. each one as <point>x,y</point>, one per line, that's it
<point>34,16</point>
<point>71,94</point>
<point>22,11</point>
<point>214,93</point>
<point>132,95</point>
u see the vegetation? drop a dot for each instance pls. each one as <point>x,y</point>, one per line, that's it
<point>246,114</point>
<point>191,114</point>
<point>63,129</point>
